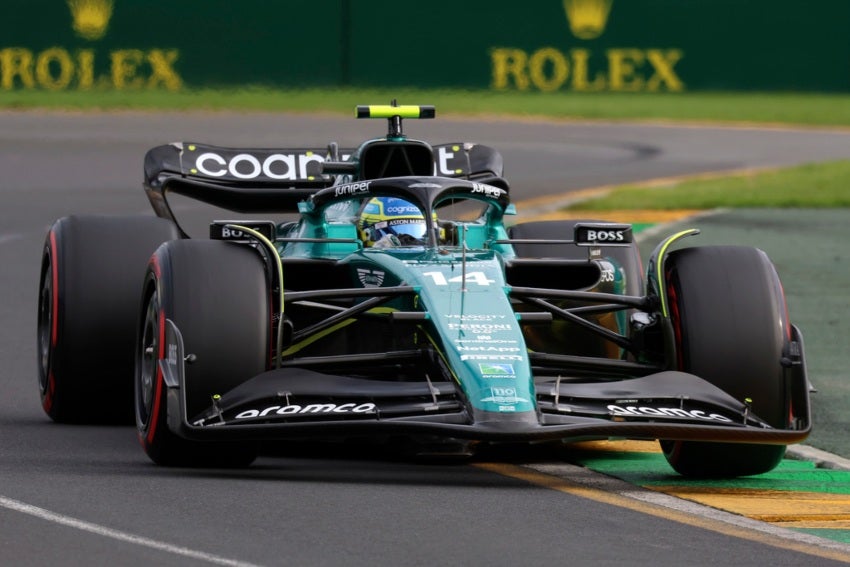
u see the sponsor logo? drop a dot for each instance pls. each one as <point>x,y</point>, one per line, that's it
<point>628,69</point>
<point>601,234</point>
<point>606,236</point>
<point>171,357</point>
<point>401,222</point>
<point>486,340</point>
<point>220,230</point>
<point>370,278</point>
<point>618,69</point>
<point>504,396</point>
<point>587,18</point>
<point>480,328</point>
<point>424,186</point>
<point>487,349</point>
<point>474,316</point>
<point>248,166</point>
<point>490,357</point>
<point>60,68</point>
<point>351,189</point>
<point>228,233</point>
<point>643,411</point>
<point>487,190</point>
<point>403,210</point>
<point>311,409</point>
<point>90,17</point>
<point>444,156</point>
<point>496,370</point>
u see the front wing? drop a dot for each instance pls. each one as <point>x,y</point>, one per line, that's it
<point>289,403</point>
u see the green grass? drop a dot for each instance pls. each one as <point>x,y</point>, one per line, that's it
<point>810,109</point>
<point>813,185</point>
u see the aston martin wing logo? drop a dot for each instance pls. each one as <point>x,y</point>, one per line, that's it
<point>91,17</point>
<point>587,18</point>
<point>370,278</point>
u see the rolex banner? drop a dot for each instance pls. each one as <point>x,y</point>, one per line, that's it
<point>503,45</point>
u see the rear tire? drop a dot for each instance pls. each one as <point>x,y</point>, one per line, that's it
<point>216,294</point>
<point>731,325</point>
<point>91,278</point>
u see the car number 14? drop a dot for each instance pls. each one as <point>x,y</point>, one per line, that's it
<point>478,278</point>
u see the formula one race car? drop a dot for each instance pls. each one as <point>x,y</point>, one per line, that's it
<point>400,306</point>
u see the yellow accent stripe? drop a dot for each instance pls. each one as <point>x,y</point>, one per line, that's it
<point>660,268</point>
<point>613,499</point>
<point>774,506</point>
<point>816,524</point>
<point>330,330</point>
<point>275,255</point>
<point>387,111</point>
<point>624,446</point>
<point>279,264</point>
<point>315,337</point>
<point>783,508</point>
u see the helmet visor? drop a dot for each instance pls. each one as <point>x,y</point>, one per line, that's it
<point>409,231</point>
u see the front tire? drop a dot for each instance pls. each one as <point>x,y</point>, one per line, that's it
<point>216,294</point>
<point>731,327</point>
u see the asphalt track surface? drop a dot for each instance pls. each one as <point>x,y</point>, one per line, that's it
<point>76,495</point>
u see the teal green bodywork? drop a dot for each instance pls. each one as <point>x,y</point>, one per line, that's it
<point>460,286</point>
<point>471,323</point>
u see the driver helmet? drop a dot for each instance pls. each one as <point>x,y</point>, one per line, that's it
<point>393,221</point>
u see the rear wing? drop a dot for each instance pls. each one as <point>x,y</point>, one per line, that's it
<point>276,180</point>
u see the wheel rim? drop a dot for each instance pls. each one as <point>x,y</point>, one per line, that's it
<point>45,326</point>
<point>147,364</point>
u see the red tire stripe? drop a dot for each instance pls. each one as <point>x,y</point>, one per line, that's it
<point>154,415</point>
<point>47,402</point>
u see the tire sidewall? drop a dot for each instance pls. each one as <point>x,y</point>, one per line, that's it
<point>216,294</point>
<point>96,265</point>
<point>730,320</point>
<point>731,328</point>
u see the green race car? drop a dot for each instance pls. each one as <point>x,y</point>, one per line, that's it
<point>400,304</point>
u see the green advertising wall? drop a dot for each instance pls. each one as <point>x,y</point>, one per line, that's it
<point>541,45</point>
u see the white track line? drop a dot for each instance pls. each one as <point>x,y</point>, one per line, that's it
<point>4,238</point>
<point>118,535</point>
